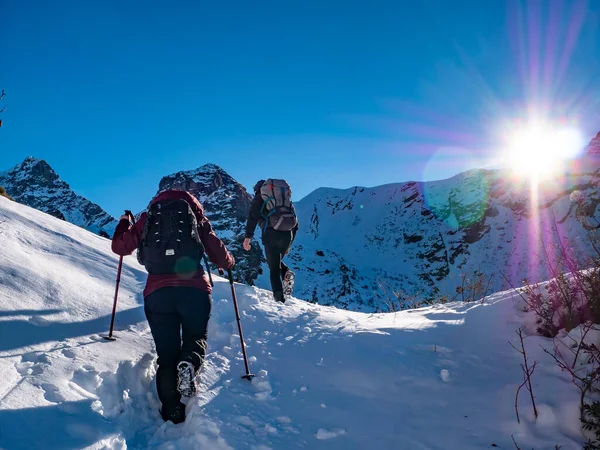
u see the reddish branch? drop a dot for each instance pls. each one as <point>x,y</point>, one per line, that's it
<point>527,373</point>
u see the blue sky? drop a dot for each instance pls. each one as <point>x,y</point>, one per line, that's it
<point>114,95</point>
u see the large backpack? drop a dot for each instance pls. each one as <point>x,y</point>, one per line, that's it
<point>170,241</point>
<point>277,209</point>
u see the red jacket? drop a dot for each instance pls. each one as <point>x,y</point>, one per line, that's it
<point>127,238</point>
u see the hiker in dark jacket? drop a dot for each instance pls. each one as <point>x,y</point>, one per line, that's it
<point>277,244</point>
<point>176,302</point>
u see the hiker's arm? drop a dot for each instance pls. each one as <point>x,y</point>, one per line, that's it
<point>215,249</point>
<point>127,238</point>
<point>253,216</point>
<point>295,229</point>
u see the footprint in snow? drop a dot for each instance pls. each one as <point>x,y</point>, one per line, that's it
<point>28,368</point>
<point>52,394</point>
<point>32,363</point>
<point>126,395</point>
<point>68,353</point>
<point>87,381</point>
<point>35,357</point>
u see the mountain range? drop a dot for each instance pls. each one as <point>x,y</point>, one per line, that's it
<point>376,248</point>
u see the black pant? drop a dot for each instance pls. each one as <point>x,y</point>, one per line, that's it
<point>276,244</point>
<point>178,319</point>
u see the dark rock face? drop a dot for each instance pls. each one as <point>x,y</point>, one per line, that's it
<point>226,203</point>
<point>34,183</point>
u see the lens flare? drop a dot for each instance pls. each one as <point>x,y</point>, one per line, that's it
<point>538,150</point>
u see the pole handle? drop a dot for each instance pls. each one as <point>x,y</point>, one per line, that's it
<point>131,216</point>
<point>230,276</point>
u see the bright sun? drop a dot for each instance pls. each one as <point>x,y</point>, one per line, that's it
<point>538,149</point>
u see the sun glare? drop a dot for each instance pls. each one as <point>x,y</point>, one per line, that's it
<point>538,150</point>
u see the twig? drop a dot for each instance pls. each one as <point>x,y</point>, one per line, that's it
<point>389,302</point>
<point>527,373</point>
<point>487,287</point>
<point>588,327</point>
<point>512,286</point>
<point>517,400</point>
<point>583,385</point>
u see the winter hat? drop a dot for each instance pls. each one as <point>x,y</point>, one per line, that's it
<point>258,185</point>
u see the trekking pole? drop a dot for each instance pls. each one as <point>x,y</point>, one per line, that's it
<point>114,310</point>
<point>208,271</point>
<point>248,375</point>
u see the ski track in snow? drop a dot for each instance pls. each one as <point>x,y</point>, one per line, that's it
<point>435,378</point>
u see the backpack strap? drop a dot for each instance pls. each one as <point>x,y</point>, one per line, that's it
<point>265,203</point>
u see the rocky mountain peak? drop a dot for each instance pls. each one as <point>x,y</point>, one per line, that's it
<point>36,170</point>
<point>594,146</point>
<point>226,204</point>
<point>35,183</point>
<point>214,187</point>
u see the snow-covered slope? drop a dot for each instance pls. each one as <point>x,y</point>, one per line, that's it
<point>435,378</point>
<point>226,203</point>
<point>418,238</point>
<point>34,183</point>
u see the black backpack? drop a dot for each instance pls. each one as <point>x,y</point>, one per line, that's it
<point>170,241</point>
<point>277,208</point>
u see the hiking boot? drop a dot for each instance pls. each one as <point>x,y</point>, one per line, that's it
<point>175,414</point>
<point>288,282</point>
<point>186,379</point>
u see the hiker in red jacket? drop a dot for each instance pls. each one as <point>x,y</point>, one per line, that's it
<point>171,238</point>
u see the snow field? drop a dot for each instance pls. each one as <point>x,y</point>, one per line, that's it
<point>435,378</point>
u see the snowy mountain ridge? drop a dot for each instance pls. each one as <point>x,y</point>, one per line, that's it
<point>34,183</point>
<point>420,238</point>
<point>416,239</point>
<point>429,379</point>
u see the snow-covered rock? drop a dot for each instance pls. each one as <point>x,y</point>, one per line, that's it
<point>34,183</point>
<point>418,239</point>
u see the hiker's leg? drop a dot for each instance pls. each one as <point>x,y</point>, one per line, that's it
<point>284,240</point>
<point>165,327</point>
<point>283,269</point>
<point>194,307</point>
<point>273,256</point>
